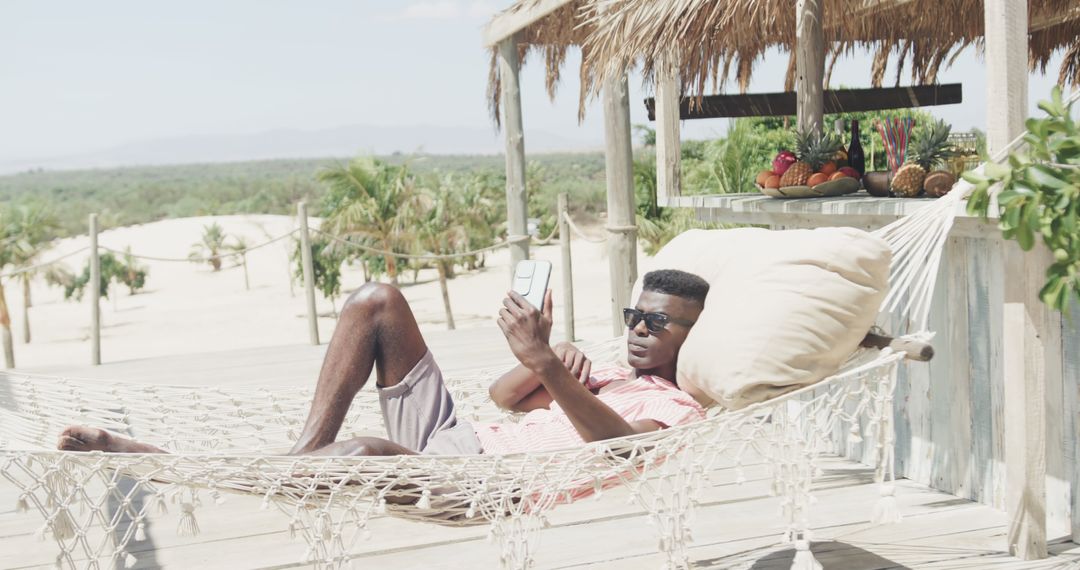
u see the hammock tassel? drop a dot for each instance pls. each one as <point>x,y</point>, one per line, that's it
<point>128,559</point>
<point>471,513</point>
<point>63,527</point>
<point>886,511</point>
<point>22,505</point>
<point>804,557</point>
<point>188,526</point>
<point>381,509</point>
<point>855,436</point>
<point>425,500</point>
<point>140,531</point>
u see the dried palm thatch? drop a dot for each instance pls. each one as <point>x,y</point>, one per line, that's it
<point>921,36</point>
<point>715,39</point>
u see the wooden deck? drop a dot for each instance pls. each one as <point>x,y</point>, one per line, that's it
<point>736,527</point>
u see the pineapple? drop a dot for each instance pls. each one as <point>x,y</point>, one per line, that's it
<point>929,148</point>
<point>813,151</point>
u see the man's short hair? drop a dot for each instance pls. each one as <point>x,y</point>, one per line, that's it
<point>678,283</point>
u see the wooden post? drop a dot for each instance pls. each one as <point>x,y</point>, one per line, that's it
<point>809,65</point>
<point>567,269</point>
<point>622,229</point>
<point>25,278</point>
<point>516,197</point>
<point>95,294</point>
<point>668,140</point>
<point>1029,328</point>
<point>309,274</point>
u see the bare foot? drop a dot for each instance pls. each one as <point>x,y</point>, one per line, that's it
<point>81,438</point>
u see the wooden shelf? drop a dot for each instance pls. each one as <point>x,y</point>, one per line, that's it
<point>858,210</point>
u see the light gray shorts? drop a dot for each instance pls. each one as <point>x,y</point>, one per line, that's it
<point>419,414</point>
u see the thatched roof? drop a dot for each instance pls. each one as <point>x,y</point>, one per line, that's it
<point>715,39</point>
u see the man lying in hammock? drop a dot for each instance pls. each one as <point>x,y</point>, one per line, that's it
<point>565,400</point>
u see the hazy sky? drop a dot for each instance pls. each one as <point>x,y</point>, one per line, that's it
<point>81,76</point>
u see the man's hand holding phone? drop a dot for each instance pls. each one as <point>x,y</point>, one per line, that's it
<point>527,330</point>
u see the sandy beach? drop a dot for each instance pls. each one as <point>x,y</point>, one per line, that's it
<point>186,308</point>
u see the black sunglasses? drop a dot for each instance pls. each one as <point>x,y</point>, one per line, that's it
<point>655,322</point>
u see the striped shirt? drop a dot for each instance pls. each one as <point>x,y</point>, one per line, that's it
<point>633,398</point>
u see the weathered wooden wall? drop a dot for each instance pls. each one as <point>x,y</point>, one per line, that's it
<point>949,413</point>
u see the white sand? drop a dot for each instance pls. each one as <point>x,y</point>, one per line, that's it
<point>186,308</point>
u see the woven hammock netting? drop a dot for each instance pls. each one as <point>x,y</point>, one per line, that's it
<point>222,442</point>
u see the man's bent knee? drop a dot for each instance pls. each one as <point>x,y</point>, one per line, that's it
<point>374,297</point>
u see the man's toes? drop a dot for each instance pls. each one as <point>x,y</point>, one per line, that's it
<point>78,438</point>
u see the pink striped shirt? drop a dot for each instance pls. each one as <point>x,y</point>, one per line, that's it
<point>633,398</point>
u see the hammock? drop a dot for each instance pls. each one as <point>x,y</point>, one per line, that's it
<point>95,504</point>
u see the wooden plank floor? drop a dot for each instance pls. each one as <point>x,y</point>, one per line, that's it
<point>736,526</point>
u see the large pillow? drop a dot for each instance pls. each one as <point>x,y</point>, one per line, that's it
<point>785,308</point>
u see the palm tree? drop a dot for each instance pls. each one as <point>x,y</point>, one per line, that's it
<point>366,199</point>
<point>442,221</point>
<point>239,248</point>
<point>209,248</point>
<point>28,229</point>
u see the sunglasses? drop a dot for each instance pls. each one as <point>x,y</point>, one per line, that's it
<point>655,322</point>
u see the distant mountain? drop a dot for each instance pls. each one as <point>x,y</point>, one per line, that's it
<point>296,143</point>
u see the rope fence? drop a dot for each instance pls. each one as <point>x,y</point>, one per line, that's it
<point>562,232</point>
<point>200,259</point>
<point>510,240</point>
<point>34,268</point>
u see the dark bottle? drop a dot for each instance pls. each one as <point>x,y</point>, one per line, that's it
<point>856,158</point>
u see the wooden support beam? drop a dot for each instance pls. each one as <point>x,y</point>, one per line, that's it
<point>309,274</point>
<point>665,110</point>
<point>567,268</point>
<point>1029,350</point>
<point>516,197</point>
<point>510,22</point>
<point>836,101</point>
<point>621,225</point>
<point>809,65</point>
<point>95,293</point>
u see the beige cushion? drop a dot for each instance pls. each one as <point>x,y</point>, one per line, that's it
<point>785,308</point>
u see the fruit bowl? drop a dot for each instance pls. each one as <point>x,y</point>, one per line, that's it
<point>837,187</point>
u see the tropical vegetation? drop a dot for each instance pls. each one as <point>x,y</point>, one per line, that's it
<point>210,246</point>
<point>1039,197</point>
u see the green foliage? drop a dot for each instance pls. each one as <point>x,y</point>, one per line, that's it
<point>645,197</point>
<point>1040,196</point>
<point>729,165</point>
<point>26,230</point>
<point>113,270</point>
<point>326,261</point>
<point>655,233</point>
<point>647,134</point>
<point>366,200</point>
<point>136,195</point>
<point>209,248</point>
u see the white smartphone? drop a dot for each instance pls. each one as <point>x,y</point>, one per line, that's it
<point>531,281</point>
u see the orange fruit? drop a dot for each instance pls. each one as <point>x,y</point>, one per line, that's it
<point>828,168</point>
<point>762,177</point>
<point>772,182</point>
<point>838,175</point>
<point>817,178</point>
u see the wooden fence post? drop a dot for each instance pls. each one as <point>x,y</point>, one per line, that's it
<point>95,294</point>
<point>309,274</point>
<point>567,268</point>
